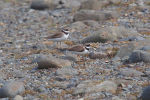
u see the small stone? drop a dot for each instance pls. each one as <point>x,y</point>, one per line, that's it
<point>66,71</point>
<point>56,14</point>
<point>60,79</point>
<point>40,89</point>
<point>43,4</point>
<point>132,5</point>
<point>130,65</point>
<point>115,59</point>
<point>3,75</point>
<point>71,85</point>
<point>145,48</point>
<point>97,55</point>
<point>18,97</point>
<point>70,56</point>
<point>18,73</point>
<point>137,38</point>
<point>116,98</point>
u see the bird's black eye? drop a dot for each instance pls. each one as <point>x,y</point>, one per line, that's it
<point>88,45</point>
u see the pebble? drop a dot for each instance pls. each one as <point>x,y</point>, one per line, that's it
<point>18,97</point>
<point>41,89</point>
<point>67,71</point>
<point>60,79</point>
<point>3,75</point>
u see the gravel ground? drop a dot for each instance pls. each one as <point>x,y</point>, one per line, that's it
<point>116,69</point>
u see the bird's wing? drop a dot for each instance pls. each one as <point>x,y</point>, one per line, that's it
<point>56,35</point>
<point>78,48</point>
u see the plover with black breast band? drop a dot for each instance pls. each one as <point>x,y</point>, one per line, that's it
<point>81,49</point>
<point>59,36</point>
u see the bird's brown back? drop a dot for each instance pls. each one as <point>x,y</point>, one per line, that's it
<point>78,48</point>
<point>55,35</point>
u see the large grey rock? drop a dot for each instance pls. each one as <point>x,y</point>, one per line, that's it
<point>139,55</point>
<point>109,33</point>
<point>77,26</point>
<point>90,87</point>
<point>131,72</point>
<point>11,89</point>
<point>95,15</point>
<point>93,4</point>
<point>43,4</point>
<point>91,23</point>
<point>52,62</point>
<point>146,94</point>
<point>107,86</point>
<point>127,49</point>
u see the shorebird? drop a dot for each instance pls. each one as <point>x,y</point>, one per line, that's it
<point>81,49</point>
<point>59,36</point>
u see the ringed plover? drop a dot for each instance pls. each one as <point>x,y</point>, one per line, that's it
<point>59,36</point>
<point>81,49</point>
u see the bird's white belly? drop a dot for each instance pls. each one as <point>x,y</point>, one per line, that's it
<point>81,53</point>
<point>63,38</point>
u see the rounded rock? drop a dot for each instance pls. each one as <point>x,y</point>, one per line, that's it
<point>11,89</point>
<point>52,62</point>
<point>146,94</point>
<point>18,97</point>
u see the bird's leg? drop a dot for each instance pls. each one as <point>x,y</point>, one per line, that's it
<point>60,44</point>
<point>78,57</point>
<point>57,44</point>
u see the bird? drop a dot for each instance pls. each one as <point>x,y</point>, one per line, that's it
<point>59,36</point>
<point>81,49</point>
